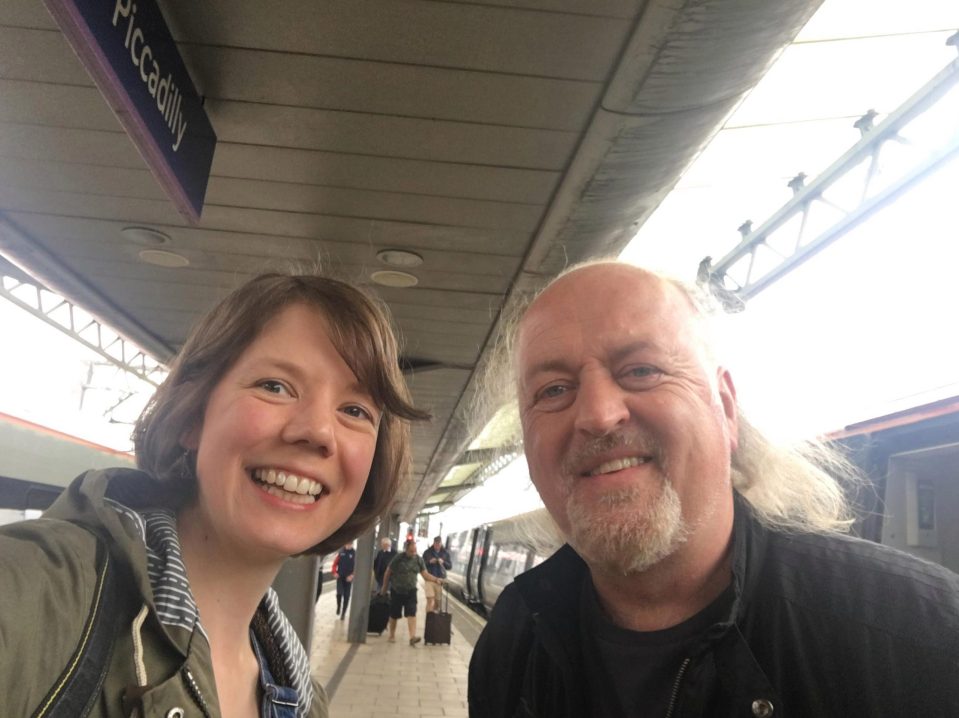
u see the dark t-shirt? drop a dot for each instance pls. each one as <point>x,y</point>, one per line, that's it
<point>630,674</point>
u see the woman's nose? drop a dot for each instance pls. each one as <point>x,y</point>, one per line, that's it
<point>312,422</point>
<point>601,405</point>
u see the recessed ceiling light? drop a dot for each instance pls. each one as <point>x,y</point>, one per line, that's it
<point>399,258</point>
<point>389,278</point>
<point>145,236</point>
<point>162,258</point>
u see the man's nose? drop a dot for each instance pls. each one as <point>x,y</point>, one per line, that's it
<point>600,405</point>
<point>312,422</point>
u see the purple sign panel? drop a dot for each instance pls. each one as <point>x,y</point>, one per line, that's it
<point>127,48</point>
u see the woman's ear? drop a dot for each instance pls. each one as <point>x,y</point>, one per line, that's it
<point>190,440</point>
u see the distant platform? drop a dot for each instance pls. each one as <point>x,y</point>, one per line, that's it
<point>379,678</point>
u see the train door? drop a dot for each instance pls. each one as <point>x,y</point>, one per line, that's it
<point>922,504</point>
<point>474,584</point>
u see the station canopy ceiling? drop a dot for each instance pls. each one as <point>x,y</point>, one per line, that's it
<point>499,141</point>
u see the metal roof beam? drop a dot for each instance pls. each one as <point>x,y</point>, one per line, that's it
<point>807,198</point>
<point>76,323</point>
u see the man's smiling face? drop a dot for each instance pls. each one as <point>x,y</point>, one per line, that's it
<point>628,423</point>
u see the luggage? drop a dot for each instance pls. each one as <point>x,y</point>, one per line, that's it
<point>379,614</point>
<point>439,624</point>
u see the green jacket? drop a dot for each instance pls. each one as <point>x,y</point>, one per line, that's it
<point>48,578</point>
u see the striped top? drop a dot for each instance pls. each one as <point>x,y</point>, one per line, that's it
<point>176,607</point>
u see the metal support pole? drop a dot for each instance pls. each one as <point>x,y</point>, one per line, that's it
<point>362,586</point>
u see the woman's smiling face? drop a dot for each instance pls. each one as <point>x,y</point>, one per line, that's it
<point>286,444</point>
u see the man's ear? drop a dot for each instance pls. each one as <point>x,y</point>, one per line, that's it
<point>727,395</point>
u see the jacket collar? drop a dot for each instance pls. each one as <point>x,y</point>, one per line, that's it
<point>85,502</point>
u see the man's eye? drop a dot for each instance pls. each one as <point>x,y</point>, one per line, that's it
<point>552,394</point>
<point>274,387</point>
<point>642,375</point>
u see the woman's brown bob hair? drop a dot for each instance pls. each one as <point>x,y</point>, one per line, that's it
<point>361,332</point>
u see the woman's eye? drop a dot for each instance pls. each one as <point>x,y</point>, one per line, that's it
<point>359,412</point>
<point>274,387</point>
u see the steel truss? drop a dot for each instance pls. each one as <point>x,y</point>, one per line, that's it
<point>738,276</point>
<point>75,322</point>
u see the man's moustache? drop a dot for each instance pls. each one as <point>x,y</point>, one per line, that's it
<point>584,453</point>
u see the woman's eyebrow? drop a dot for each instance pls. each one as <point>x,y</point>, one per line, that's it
<point>283,364</point>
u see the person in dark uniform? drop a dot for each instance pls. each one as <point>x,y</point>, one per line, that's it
<point>343,570</point>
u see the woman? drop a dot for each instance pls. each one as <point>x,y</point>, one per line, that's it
<point>280,430</point>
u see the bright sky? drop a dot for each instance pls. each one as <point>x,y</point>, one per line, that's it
<point>51,379</point>
<point>861,330</point>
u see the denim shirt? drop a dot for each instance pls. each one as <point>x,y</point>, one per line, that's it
<point>278,701</point>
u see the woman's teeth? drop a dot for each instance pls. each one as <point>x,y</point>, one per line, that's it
<point>288,486</point>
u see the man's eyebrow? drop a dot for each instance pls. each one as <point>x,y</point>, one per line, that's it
<point>560,364</point>
<point>547,365</point>
<point>640,345</point>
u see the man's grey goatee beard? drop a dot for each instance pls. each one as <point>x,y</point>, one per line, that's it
<point>627,531</point>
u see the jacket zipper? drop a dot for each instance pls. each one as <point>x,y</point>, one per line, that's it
<point>675,694</point>
<point>194,690</point>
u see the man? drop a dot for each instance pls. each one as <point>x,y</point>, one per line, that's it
<point>704,574</point>
<point>343,566</point>
<point>437,560</point>
<point>381,561</point>
<point>401,576</point>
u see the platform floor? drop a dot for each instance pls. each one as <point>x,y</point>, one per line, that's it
<point>379,678</point>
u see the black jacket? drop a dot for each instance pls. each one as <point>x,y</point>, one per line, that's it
<point>346,563</point>
<point>380,562</point>
<point>821,626</point>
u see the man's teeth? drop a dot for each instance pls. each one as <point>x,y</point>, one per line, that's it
<point>283,484</point>
<point>618,465</point>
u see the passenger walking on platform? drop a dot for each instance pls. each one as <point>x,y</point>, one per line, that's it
<point>381,561</point>
<point>438,562</point>
<point>343,568</point>
<point>281,429</point>
<point>401,578</point>
<point>705,573</point>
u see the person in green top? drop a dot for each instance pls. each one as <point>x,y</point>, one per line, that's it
<point>402,571</point>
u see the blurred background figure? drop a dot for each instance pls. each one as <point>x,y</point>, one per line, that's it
<point>438,562</point>
<point>381,561</point>
<point>343,569</point>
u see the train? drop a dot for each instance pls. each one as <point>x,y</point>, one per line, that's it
<point>486,558</point>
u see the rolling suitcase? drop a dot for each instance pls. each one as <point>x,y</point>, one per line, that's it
<point>379,614</point>
<point>439,624</point>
